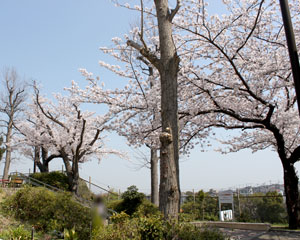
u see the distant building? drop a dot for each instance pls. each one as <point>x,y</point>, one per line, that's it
<point>246,191</point>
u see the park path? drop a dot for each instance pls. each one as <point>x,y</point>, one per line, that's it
<point>236,234</point>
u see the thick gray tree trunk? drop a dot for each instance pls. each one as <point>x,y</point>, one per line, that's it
<point>154,177</point>
<point>169,191</point>
<point>167,65</point>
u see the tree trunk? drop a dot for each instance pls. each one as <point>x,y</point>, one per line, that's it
<point>169,191</point>
<point>43,166</point>
<point>75,171</point>
<point>8,150</point>
<point>36,158</point>
<point>154,177</point>
<point>73,177</point>
<point>292,194</point>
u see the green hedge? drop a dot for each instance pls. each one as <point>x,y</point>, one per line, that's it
<point>55,179</point>
<point>49,211</point>
<point>60,180</point>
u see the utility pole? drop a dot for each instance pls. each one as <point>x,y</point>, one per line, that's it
<point>290,38</point>
<point>238,196</point>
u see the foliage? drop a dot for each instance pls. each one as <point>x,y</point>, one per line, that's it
<point>203,207</point>
<point>114,205</point>
<point>70,234</point>
<point>146,208</point>
<point>55,179</point>
<point>83,190</point>
<point>271,208</point>
<point>268,208</point>
<point>152,228</point>
<point>132,199</point>
<point>186,231</point>
<point>49,211</point>
<point>18,233</point>
<point>60,180</point>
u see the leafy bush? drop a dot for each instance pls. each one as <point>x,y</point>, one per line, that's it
<point>186,231</point>
<point>70,234</point>
<point>19,233</point>
<point>115,205</point>
<point>49,211</point>
<point>132,199</point>
<point>201,206</point>
<point>124,227</point>
<point>151,228</point>
<point>60,180</point>
<point>146,208</point>
<point>55,179</point>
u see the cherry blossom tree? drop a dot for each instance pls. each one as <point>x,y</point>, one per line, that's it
<point>241,68</point>
<point>234,74</point>
<point>166,62</point>
<point>61,130</point>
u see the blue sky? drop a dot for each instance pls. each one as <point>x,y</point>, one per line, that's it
<point>48,40</point>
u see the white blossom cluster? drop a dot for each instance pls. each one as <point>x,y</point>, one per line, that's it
<point>234,74</point>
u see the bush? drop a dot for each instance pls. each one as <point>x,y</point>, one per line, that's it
<point>132,199</point>
<point>186,231</point>
<point>49,211</point>
<point>146,208</point>
<point>151,228</point>
<point>19,233</point>
<point>60,180</point>
<point>124,227</point>
<point>55,179</point>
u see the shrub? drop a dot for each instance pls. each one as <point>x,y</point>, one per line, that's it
<point>132,199</point>
<point>49,211</point>
<point>124,227</point>
<point>146,208</point>
<point>151,228</point>
<point>55,179</point>
<point>115,205</point>
<point>19,233</point>
<point>186,231</point>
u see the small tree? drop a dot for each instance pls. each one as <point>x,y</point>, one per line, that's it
<point>65,132</point>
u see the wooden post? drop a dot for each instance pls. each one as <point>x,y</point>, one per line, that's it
<point>238,195</point>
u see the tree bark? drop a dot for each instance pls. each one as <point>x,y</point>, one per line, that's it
<point>36,158</point>
<point>154,177</point>
<point>43,164</point>
<point>8,149</point>
<point>73,176</point>
<point>292,194</point>
<point>169,191</point>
